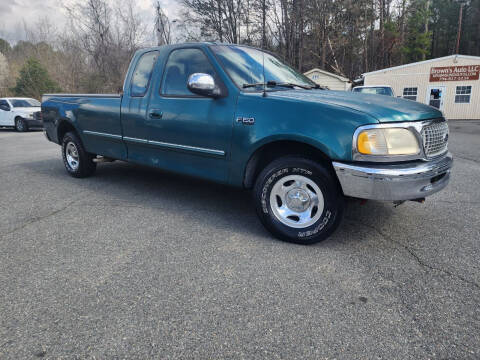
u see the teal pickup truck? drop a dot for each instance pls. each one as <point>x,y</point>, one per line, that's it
<point>237,115</point>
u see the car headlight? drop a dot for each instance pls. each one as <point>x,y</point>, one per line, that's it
<point>387,141</point>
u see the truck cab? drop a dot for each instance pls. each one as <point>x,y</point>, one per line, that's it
<point>239,116</point>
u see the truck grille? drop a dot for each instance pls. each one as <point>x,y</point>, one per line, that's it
<point>435,138</point>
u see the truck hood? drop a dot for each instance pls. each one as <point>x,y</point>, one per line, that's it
<point>381,107</point>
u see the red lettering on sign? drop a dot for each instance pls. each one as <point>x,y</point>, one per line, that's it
<point>455,73</point>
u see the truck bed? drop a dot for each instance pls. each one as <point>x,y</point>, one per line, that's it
<point>95,116</point>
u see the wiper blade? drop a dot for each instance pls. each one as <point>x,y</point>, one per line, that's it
<point>272,83</point>
<point>253,85</point>
<point>292,85</point>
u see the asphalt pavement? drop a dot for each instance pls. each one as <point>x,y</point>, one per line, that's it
<point>135,263</point>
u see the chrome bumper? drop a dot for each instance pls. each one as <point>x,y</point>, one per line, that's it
<point>406,181</point>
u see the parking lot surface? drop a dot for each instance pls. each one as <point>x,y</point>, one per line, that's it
<point>137,263</point>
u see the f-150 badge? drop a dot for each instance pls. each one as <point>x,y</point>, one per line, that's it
<point>246,120</point>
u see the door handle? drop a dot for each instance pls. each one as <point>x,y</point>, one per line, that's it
<point>155,115</point>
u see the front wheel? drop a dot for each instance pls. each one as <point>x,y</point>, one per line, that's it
<point>20,125</point>
<point>78,162</point>
<point>298,200</point>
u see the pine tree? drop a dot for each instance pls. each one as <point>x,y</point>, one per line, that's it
<point>34,81</point>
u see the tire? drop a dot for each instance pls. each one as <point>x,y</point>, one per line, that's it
<point>78,162</point>
<point>20,125</point>
<point>298,200</point>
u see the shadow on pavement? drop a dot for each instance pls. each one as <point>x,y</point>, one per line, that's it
<point>126,184</point>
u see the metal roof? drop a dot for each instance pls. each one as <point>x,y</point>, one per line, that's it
<point>328,74</point>
<point>422,62</point>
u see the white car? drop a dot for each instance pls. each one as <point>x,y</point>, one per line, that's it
<point>374,89</point>
<point>19,113</point>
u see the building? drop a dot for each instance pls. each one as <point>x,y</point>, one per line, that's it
<point>329,80</point>
<point>450,83</point>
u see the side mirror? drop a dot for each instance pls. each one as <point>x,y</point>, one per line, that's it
<point>203,84</point>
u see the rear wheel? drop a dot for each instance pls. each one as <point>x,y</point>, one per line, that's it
<point>298,200</point>
<point>78,162</point>
<point>20,125</point>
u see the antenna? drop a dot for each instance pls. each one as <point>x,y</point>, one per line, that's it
<point>264,80</point>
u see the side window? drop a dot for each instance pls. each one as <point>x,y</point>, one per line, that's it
<point>180,65</point>
<point>410,93</point>
<point>143,72</point>
<point>4,105</point>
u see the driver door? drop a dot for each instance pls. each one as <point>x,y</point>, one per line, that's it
<point>4,113</point>
<point>189,133</point>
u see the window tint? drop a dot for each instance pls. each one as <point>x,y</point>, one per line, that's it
<point>410,93</point>
<point>374,90</point>
<point>25,103</point>
<point>142,73</point>
<point>4,103</point>
<point>463,94</point>
<point>180,65</point>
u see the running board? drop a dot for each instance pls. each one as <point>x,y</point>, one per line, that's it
<point>103,159</point>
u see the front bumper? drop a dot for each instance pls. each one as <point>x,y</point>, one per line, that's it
<point>34,123</point>
<point>394,182</point>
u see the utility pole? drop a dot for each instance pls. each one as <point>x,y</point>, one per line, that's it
<point>459,32</point>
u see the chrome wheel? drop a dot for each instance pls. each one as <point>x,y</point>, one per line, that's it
<point>71,153</point>
<point>296,201</point>
<point>20,125</point>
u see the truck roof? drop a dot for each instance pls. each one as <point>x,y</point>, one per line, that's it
<point>200,43</point>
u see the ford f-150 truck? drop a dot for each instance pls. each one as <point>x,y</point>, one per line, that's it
<point>237,115</point>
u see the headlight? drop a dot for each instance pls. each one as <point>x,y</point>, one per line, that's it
<point>387,141</point>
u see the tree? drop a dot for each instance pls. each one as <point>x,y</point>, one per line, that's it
<point>34,81</point>
<point>419,39</point>
<point>3,74</point>
<point>5,47</point>
<point>162,26</point>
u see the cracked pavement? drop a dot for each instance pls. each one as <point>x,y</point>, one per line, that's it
<point>136,263</point>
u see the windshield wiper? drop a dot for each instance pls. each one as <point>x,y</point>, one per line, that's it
<point>272,83</point>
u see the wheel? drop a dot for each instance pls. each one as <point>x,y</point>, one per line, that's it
<point>77,161</point>
<point>298,200</point>
<point>20,125</point>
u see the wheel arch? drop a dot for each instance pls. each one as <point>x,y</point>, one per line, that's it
<point>274,149</point>
<point>63,127</point>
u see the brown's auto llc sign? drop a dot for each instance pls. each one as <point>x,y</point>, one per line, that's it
<point>454,73</point>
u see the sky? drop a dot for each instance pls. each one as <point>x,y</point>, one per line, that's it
<point>14,13</point>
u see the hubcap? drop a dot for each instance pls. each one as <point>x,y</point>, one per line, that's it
<point>71,153</point>
<point>296,201</point>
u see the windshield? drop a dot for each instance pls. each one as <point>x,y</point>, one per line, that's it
<point>25,103</point>
<point>381,90</point>
<point>245,66</point>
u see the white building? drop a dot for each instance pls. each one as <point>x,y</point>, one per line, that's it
<point>329,80</point>
<point>450,83</point>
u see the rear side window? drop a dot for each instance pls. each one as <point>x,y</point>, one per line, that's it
<point>143,73</point>
<point>180,65</point>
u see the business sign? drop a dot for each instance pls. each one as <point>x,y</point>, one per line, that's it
<point>454,73</point>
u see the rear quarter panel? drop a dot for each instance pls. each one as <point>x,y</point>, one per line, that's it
<point>96,119</point>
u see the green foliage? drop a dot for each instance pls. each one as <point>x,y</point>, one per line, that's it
<point>417,45</point>
<point>5,47</point>
<point>34,81</point>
